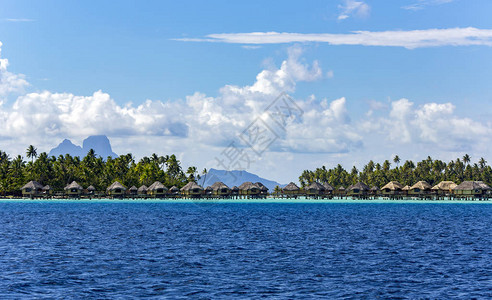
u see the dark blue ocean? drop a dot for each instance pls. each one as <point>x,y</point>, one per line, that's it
<point>159,250</point>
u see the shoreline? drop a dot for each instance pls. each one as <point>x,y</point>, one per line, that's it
<point>244,201</point>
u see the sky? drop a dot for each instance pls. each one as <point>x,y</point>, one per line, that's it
<point>201,79</point>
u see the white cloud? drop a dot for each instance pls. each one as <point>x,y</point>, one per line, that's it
<point>9,83</point>
<point>468,36</point>
<point>349,8</point>
<point>19,20</point>
<point>421,4</point>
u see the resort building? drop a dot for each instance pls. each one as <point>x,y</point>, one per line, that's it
<point>116,189</point>
<point>47,190</point>
<point>340,192</point>
<point>220,189</point>
<point>157,189</point>
<point>328,189</point>
<point>444,188</point>
<point>249,189</point>
<point>392,188</point>
<point>142,190</point>
<point>374,191</point>
<point>359,189</point>
<point>32,188</point>
<point>174,191</point>
<point>315,189</point>
<point>191,189</point>
<point>471,189</point>
<point>235,191</point>
<point>421,188</point>
<point>73,189</point>
<point>133,190</point>
<point>291,190</point>
<point>90,190</point>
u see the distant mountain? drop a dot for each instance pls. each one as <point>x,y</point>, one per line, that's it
<point>235,178</point>
<point>100,144</point>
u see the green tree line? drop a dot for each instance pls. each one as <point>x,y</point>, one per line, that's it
<point>90,170</point>
<point>407,173</point>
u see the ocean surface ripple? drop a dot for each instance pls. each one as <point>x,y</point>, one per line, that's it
<point>207,251</point>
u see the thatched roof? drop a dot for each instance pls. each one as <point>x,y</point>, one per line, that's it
<point>208,189</point>
<point>316,186</point>
<point>341,188</point>
<point>359,186</point>
<point>393,186</point>
<point>143,188</point>
<point>73,185</point>
<point>219,185</point>
<point>328,187</point>
<point>262,187</point>
<point>191,186</point>
<point>46,188</point>
<point>174,189</point>
<point>133,189</point>
<point>156,185</point>
<point>291,187</point>
<point>374,188</point>
<point>422,185</point>
<point>248,185</point>
<point>91,188</point>
<point>444,186</point>
<point>116,186</point>
<point>235,189</point>
<point>406,188</point>
<point>471,185</point>
<point>33,185</point>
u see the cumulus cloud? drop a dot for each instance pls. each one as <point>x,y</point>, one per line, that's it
<point>353,8</point>
<point>411,39</point>
<point>9,83</point>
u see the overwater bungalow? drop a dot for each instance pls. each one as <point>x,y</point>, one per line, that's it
<point>32,188</point>
<point>191,189</point>
<point>444,188</point>
<point>220,189</point>
<point>249,189</point>
<point>374,191</point>
<point>329,190</point>
<point>173,191</point>
<point>291,190</point>
<point>341,191</point>
<point>315,189</point>
<point>359,189</point>
<point>235,191</point>
<point>133,190</point>
<point>157,189</point>
<point>420,189</point>
<point>73,189</point>
<point>263,189</point>
<point>142,190</point>
<point>392,188</point>
<point>471,189</point>
<point>116,189</point>
<point>47,190</point>
<point>405,189</point>
<point>90,190</point>
<point>208,191</point>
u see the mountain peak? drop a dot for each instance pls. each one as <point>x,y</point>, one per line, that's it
<point>99,143</point>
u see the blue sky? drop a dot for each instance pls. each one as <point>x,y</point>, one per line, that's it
<point>374,78</point>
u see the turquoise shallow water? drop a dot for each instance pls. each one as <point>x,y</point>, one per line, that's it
<point>109,249</point>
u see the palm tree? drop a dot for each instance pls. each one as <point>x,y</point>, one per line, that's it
<point>466,159</point>
<point>482,162</point>
<point>31,152</point>
<point>396,160</point>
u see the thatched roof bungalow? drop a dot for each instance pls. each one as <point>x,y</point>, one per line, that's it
<point>263,188</point>
<point>142,190</point>
<point>392,188</point>
<point>328,188</point>
<point>220,189</point>
<point>471,189</point>
<point>358,189</point>
<point>420,188</point>
<point>73,189</point>
<point>315,189</point>
<point>208,191</point>
<point>234,191</point>
<point>341,191</point>
<point>374,190</point>
<point>174,190</point>
<point>32,188</point>
<point>444,188</point>
<point>90,190</point>
<point>133,190</point>
<point>250,189</point>
<point>116,189</point>
<point>157,189</point>
<point>47,190</point>
<point>191,189</point>
<point>291,189</point>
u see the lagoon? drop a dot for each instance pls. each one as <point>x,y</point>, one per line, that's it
<point>161,248</point>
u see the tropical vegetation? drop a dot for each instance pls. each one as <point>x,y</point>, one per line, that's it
<point>378,174</point>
